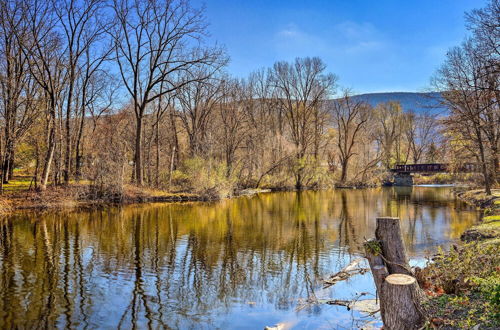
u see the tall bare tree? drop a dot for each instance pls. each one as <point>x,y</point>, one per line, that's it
<point>197,103</point>
<point>389,122</point>
<point>350,118</point>
<point>421,132</point>
<point>82,24</point>
<point>17,88</point>
<point>42,45</point>
<point>301,88</point>
<point>462,80</point>
<point>155,41</point>
<point>232,120</point>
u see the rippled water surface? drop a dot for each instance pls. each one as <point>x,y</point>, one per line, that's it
<point>242,263</point>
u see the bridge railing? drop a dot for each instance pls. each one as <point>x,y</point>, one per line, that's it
<point>435,168</point>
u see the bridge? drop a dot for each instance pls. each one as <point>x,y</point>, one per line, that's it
<point>402,172</point>
<point>436,168</point>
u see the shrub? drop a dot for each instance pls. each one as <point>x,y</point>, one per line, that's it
<point>205,177</point>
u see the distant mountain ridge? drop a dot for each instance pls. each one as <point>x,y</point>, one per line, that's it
<point>418,102</point>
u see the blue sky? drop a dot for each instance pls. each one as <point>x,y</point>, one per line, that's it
<point>373,46</point>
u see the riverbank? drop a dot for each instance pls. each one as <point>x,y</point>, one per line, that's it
<point>464,283</point>
<point>20,195</point>
<point>79,196</point>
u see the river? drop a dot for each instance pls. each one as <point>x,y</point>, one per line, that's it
<point>243,263</point>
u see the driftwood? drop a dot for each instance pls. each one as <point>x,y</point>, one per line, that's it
<point>368,306</point>
<point>400,296</point>
<point>346,272</point>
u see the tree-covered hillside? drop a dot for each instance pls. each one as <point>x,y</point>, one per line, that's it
<point>419,102</point>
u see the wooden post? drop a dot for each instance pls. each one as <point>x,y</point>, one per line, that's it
<point>401,303</point>
<point>388,232</point>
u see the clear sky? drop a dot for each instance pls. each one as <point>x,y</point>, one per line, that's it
<point>373,46</point>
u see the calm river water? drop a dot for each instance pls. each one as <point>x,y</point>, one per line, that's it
<point>244,263</point>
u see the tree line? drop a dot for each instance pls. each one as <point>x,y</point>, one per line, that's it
<point>469,81</point>
<point>111,92</point>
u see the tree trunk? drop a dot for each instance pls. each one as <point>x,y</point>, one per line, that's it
<point>175,137</point>
<point>484,165</point>
<point>400,296</point>
<point>37,165</point>
<point>138,152</point>
<point>401,303</point>
<point>148,162</point>
<point>300,170</point>
<point>343,175</point>
<point>172,159</point>
<point>12,159</point>
<point>50,151</point>
<point>67,156</point>
<point>377,265</point>
<point>6,171</point>
<point>388,232</point>
<point>157,169</point>
<point>298,180</point>
<point>78,149</point>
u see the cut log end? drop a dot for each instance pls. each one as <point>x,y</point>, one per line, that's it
<point>400,279</point>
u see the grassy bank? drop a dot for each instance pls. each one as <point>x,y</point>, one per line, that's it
<point>464,283</point>
<point>19,194</point>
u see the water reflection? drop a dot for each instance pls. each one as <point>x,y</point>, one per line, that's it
<point>236,263</point>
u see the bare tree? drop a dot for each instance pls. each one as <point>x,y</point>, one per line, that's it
<point>18,92</point>
<point>197,102</point>
<point>263,145</point>
<point>96,91</point>
<point>232,120</point>
<point>42,45</point>
<point>389,118</point>
<point>484,24</point>
<point>154,42</point>
<point>82,26</point>
<point>301,87</point>
<point>421,133</point>
<point>350,118</point>
<point>461,80</point>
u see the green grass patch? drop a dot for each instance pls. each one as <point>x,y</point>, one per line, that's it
<point>17,184</point>
<point>492,219</point>
<point>470,279</point>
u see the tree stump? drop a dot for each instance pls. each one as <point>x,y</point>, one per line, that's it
<point>401,303</point>
<point>373,252</point>
<point>400,296</point>
<point>388,232</point>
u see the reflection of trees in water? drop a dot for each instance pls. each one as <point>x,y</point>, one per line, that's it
<point>347,231</point>
<point>178,265</point>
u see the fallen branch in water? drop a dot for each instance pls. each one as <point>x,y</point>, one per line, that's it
<point>344,274</point>
<point>368,306</point>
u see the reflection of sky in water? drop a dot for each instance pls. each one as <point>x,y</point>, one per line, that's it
<point>242,263</point>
